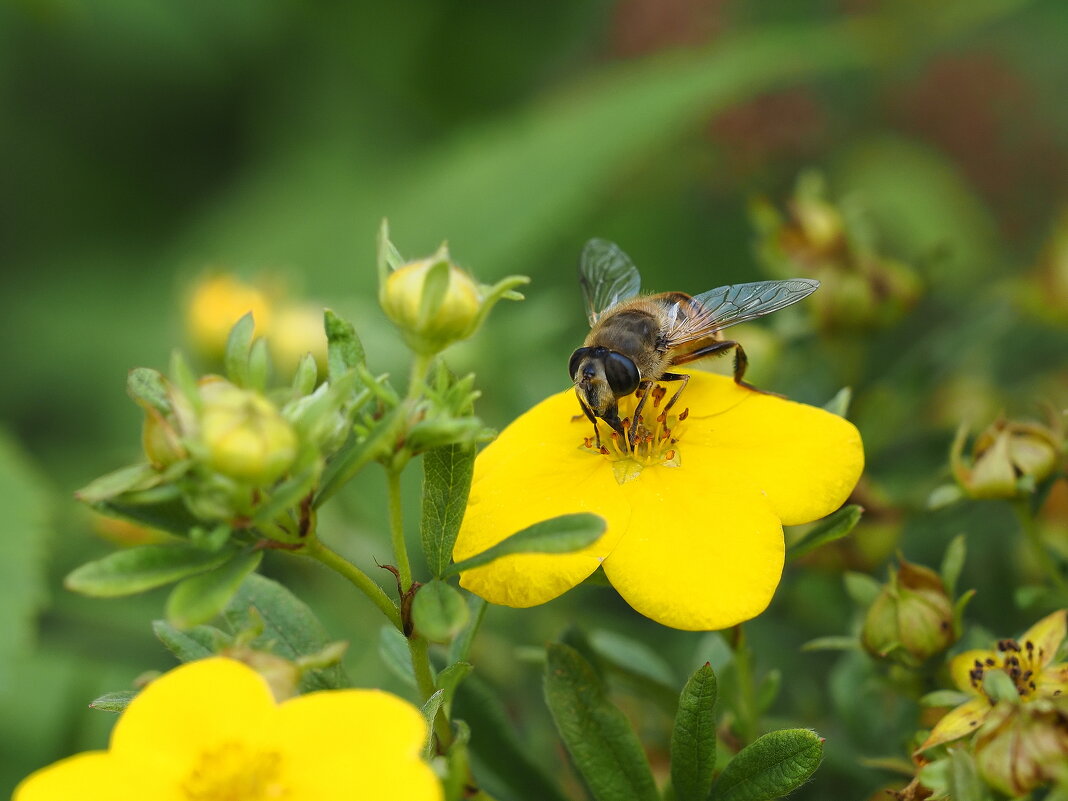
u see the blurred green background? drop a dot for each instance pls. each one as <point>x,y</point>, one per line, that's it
<point>143,143</point>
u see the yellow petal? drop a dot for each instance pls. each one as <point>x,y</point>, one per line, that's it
<point>804,460</point>
<point>193,709</point>
<point>355,744</point>
<point>961,666</point>
<point>1046,637</point>
<point>535,470</point>
<point>958,722</point>
<point>697,556</point>
<point>92,776</point>
<point>1052,681</point>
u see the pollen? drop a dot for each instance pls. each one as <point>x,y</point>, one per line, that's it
<point>652,439</point>
<point>234,772</point>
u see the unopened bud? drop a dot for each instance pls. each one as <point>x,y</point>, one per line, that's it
<point>911,619</point>
<point>215,304</point>
<point>1004,454</point>
<point>433,302</point>
<point>244,435</point>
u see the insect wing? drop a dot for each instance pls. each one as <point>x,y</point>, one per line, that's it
<point>607,276</point>
<point>712,311</point>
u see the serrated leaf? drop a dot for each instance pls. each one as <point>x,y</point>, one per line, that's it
<point>148,387</point>
<point>238,345</point>
<point>446,483</point>
<point>113,702</point>
<point>563,534</point>
<point>344,350</point>
<point>27,504</point>
<point>693,737</point>
<point>953,564</point>
<point>831,528</point>
<point>503,758</point>
<point>597,735</point>
<point>141,568</point>
<point>439,611</point>
<point>393,648</point>
<point>770,767</point>
<point>290,628</point>
<point>200,598</point>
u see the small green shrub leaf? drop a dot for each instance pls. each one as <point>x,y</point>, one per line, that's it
<point>141,568</point>
<point>563,534</point>
<point>770,767</point>
<point>693,737</point>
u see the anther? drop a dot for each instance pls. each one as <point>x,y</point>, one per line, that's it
<point>605,450</point>
<point>669,455</point>
<point>626,422</point>
<point>684,414</point>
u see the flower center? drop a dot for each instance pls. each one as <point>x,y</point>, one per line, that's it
<point>1020,663</point>
<point>234,772</point>
<point>652,437</point>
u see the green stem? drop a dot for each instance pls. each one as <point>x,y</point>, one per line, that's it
<point>364,583</point>
<point>746,701</point>
<point>417,377</point>
<point>1038,548</point>
<point>396,532</point>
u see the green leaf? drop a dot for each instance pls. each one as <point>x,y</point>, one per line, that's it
<point>831,528</point>
<point>259,365</point>
<point>839,404</point>
<point>943,496</point>
<point>27,504</point>
<point>770,767</point>
<point>287,495</point>
<point>148,387</point>
<point>430,711</point>
<point>833,642</point>
<point>185,645</point>
<point>290,628</point>
<point>358,454</point>
<point>439,611</point>
<point>769,689</point>
<point>449,681</point>
<point>563,534</point>
<point>114,702</point>
<point>170,514</point>
<point>393,648</point>
<point>505,762</point>
<point>861,587</point>
<point>597,735</point>
<point>636,663</point>
<point>238,345</point>
<point>141,568</point>
<point>953,564</point>
<point>446,483</point>
<point>693,737</point>
<point>125,479</point>
<point>305,376</point>
<point>461,646</point>
<point>200,598</point>
<point>344,350</point>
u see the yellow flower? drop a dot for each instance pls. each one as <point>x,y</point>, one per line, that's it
<point>211,731</point>
<point>1026,661</point>
<point>695,513</point>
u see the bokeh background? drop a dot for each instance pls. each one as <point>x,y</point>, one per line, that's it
<point>144,144</point>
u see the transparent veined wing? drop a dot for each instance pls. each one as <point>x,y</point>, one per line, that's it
<point>607,276</point>
<point>719,308</point>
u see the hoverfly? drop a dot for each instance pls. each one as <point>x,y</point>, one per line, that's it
<point>635,340</point>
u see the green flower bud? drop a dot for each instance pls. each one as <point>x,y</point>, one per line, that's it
<point>433,302</point>
<point>1008,458</point>
<point>244,436</point>
<point>911,619</point>
<point>1021,747</point>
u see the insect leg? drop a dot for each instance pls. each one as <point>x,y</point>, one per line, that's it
<point>741,361</point>
<point>684,378</point>
<point>645,387</point>
<point>593,419</point>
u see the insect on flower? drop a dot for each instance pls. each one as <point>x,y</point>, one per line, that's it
<point>635,340</point>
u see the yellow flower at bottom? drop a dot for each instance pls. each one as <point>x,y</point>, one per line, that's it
<point>694,513</point>
<point>211,731</point>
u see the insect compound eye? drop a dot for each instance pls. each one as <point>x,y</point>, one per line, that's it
<point>576,360</point>
<point>621,374</point>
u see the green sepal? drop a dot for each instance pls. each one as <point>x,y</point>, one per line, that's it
<point>289,628</point>
<point>358,454</point>
<point>388,258</point>
<point>430,711</point>
<point>238,346</point>
<point>770,767</point>
<point>597,735</point>
<point>439,611</point>
<point>141,568</point>
<point>287,496</point>
<point>200,598</point>
<point>447,475</point>
<point>999,687</point>
<point>113,702</point>
<point>839,404</point>
<point>259,366</point>
<point>441,432</point>
<point>435,285</point>
<point>563,534</point>
<point>110,485</point>
<point>831,528</point>
<point>148,387</point>
<point>198,642</point>
<point>185,379</point>
<point>693,737</point>
<point>947,698</point>
<point>344,350</point>
<point>306,376</point>
<point>953,564</point>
